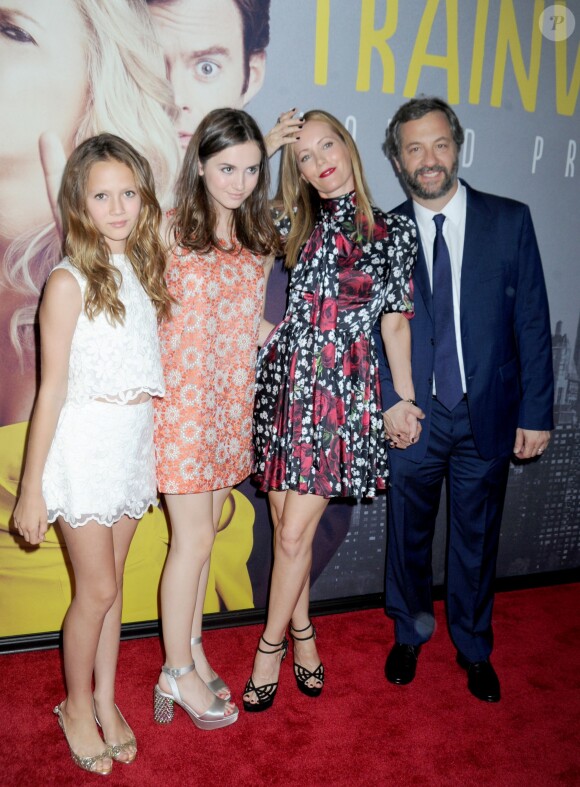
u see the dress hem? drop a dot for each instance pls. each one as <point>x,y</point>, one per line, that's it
<point>137,512</point>
<point>163,488</point>
<point>263,486</point>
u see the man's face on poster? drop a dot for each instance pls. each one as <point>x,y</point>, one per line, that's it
<point>203,43</point>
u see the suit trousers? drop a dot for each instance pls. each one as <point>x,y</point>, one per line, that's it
<point>475,493</point>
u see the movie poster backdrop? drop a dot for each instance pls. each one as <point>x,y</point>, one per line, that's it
<point>72,68</point>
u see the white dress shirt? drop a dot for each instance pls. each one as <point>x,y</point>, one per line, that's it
<point>454,234</point>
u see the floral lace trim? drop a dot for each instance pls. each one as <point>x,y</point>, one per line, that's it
<point>132,510</point>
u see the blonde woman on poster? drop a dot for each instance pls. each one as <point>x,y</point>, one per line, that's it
<point>90,462</point>
<point>68,69</point>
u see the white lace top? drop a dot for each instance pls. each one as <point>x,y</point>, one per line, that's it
<point>115,362</point>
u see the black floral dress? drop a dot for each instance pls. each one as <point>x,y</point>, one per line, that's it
<point>318,426</point>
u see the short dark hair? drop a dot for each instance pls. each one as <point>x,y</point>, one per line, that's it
<point>255,26</point>
<point>415,109</point>
<point>256,23</point>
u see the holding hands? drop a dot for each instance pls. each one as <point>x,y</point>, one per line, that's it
<point>403,424</point>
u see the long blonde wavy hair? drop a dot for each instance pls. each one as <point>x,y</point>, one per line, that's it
<point>86,248</point>
<point>127,95</point>
<point>300,200</point>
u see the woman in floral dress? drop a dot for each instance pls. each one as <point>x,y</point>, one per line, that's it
<point>222,241</point>
<point>318,426</point>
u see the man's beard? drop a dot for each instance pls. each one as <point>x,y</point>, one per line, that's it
<point>411,180</point>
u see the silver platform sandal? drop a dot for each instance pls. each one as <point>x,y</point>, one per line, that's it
<point>217,684</point>
<point>163,710</point>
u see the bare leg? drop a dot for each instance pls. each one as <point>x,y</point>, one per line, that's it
<point>300,615</point>
<point>204,670</point>
<point>115,730</point>
<point>192,537</point>
<point>305,652</point>
<point>297,523</point>
<point>91,552</point>
<point>304,643</point>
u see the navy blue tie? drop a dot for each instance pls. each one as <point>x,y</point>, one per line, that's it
<point>447,374</point>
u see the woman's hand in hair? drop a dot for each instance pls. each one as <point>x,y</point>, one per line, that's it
<point>285,131</point>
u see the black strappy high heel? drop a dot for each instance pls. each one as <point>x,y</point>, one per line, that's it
<point>302,674</point>
<point>267,692</point>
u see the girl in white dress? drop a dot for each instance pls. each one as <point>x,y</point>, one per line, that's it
<point>90,460</point>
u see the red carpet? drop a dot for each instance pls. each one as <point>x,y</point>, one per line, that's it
<point>361,731</point>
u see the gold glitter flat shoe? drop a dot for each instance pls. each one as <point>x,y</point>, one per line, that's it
<point>86,763</point>
<point>118,748</point>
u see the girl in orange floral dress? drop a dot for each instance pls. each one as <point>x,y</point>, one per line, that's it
<point>223,240</point>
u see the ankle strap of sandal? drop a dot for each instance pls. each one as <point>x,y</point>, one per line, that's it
<point>196,640</point>
<point>300,631</point>
<point>279,646</point>
<point>176,672</point>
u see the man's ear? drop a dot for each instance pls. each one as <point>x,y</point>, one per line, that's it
<point>257,72</point>
<point>397,165</point>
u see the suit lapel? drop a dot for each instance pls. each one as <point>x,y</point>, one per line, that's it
<point>478,225</point>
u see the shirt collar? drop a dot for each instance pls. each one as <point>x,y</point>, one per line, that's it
<point>454,211</point>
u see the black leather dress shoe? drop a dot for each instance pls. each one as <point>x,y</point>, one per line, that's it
<point>482,680</point>
<point>402,663</point>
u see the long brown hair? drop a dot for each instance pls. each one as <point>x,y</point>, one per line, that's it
<point>87,249</point>
<point>301,200</point>
<point>194,222</point>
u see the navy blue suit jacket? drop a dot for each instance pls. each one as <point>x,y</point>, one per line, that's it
<point>505,329</point>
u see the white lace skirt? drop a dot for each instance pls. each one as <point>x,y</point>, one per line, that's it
<point>101,464</point>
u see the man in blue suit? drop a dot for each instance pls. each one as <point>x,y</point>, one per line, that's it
<point>482,371</point>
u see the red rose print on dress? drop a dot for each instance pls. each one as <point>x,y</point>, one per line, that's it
<point>323,403</point>
<point>296,419</point>
<point>365,422</point>
<point>328,356</point>
<point>380,231</point>
<point>322,391</point>
<point>332,460</point>
<point>345,247</point>
<point>358,357</point>
<point>272,352</point>
<point>277,474</point>
<point>356,289</point>
<point>328,315</point>
<point>303,455</point>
